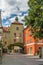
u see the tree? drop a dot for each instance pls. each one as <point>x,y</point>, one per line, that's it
<point>34,19</point>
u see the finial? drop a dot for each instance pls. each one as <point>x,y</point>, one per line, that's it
<point>16,18</point>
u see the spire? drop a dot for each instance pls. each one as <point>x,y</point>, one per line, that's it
<point>16,19</point>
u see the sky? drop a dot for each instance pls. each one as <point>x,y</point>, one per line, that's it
<point>12,8</point>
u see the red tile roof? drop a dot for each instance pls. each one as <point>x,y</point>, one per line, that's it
<point>6,29</point>
<point>16,22</point>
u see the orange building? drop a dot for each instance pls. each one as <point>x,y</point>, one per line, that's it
<point>31,45</point>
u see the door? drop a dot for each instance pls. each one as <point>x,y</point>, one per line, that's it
<point>30,50</point>
<point>42,51</point>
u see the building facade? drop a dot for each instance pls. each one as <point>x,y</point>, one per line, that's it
<point>31,45</point>
<point>13,34</point>
<point>16,32</point>
<point>6,37</point>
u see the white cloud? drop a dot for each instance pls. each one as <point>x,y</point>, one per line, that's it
<point>12,19</point>
<point>7,22</point>
<point>10,6</point>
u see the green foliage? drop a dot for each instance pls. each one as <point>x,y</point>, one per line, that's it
<point>35,17</point>
<point>19,44</point>
<point>11,46</point>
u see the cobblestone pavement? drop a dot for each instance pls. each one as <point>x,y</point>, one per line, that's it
<point>19,59</point>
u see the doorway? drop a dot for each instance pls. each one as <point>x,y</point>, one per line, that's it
<point>40,50</point>
<point>30,50</point>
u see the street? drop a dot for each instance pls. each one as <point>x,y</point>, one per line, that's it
<point>19,59</point>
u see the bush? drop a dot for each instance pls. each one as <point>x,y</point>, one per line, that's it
<point>11,46</point>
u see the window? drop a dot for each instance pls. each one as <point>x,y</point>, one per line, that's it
<point>1,30</point>
<point>20,34</point>
<point>30,33</point>
<point>40,41</point>
<point>26,42</point>
<point>40,49</point>
<point>20,40</point>
<point>0,33</point>
<point>15,34</point>
<point>5,42</point>
<point>17,28</point>
<point>31,40</point>
<point>6,35</point>
<point>26,35</point>
<point>30,50</point>
<point>14,40</point>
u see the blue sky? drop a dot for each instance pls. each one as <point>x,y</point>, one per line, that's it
<point>11,9</point>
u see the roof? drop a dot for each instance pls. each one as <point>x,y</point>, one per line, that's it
<point>6,29</point>
<point>17,22</point>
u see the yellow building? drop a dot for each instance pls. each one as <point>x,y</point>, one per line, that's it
<point>16,32</point>
<point>13,34</point>
<point>6,33</point>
